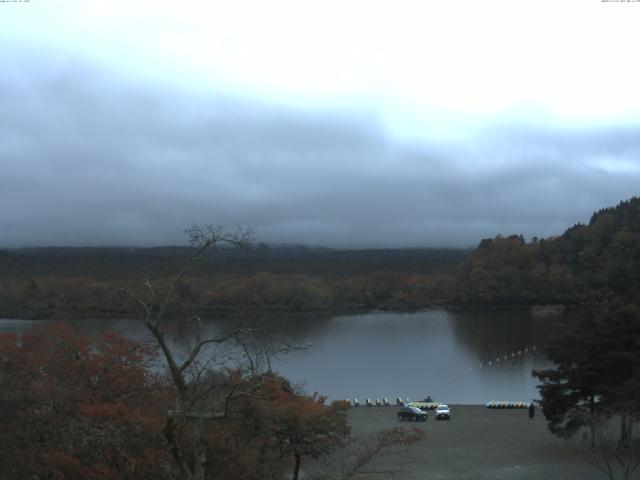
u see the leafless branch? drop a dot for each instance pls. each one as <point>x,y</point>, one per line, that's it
<point>196,350</point>
<point>615,458</point>
<point>361,451</point>
<point>149,286</point>
<point>135,298</point>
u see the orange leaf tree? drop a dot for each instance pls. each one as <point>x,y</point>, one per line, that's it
<point>76,406</point>
<point>302,425</point>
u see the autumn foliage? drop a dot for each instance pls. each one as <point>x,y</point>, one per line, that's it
<point>302,425</point>
<point>78,406</point>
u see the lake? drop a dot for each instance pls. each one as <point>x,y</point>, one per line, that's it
<point>459,357</point>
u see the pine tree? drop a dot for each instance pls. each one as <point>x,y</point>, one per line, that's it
<point>596,373</point>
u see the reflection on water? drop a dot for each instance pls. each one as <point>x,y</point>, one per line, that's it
<point>380,354</point>
<point>433,352</point>
<point>492,334</point>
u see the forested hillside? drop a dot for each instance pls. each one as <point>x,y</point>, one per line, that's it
<point>588,261</point>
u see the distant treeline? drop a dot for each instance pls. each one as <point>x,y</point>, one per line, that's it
<point>74,282</point>
<point>111,262</point>
<point>600,259</point>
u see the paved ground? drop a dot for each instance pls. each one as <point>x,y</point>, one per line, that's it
<point>477,443</point>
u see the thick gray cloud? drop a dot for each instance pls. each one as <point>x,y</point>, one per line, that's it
<point>89,158</point>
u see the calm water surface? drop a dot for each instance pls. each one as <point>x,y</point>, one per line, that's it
<point>380,354</point>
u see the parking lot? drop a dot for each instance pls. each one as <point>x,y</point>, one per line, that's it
<point>477,443</point>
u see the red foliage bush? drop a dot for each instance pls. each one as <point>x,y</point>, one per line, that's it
<point>76,406</point>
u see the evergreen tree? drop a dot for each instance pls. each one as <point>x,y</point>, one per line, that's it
<point>596,373</point>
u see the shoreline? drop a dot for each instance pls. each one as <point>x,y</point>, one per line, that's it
<point>227,315</point>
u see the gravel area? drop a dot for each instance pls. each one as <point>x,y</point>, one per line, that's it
<point>477,443</point>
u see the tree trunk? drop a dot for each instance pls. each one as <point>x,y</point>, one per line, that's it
<point>624,430</point>
<point>169,430</point>
<point>592,432</point>
<point>200,448</point>
<point>296,470</point>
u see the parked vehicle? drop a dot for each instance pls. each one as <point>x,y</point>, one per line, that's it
<point>443,412</point>
<point>412,413</point>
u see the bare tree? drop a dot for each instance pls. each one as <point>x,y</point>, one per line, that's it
<point>361,451</point>
<point>199,398</point>
<point>616,450</point>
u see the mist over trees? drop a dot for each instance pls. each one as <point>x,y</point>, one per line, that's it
<point>588,261</point>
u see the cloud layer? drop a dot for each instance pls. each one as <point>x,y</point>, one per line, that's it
<point>90,158</point>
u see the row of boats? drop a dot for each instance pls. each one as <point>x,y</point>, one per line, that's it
<point>502,404</point>
<point>427,404</point>
<point>430,405</point>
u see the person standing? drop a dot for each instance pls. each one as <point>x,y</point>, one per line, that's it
<point>532,410</point>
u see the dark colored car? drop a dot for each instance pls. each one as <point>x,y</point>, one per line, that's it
<point>412,413</point>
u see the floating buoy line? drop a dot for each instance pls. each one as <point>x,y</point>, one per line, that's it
<point>515,355</point>
<point>427,404</point>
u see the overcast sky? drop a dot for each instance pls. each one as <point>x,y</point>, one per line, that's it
<point>336,123</point>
